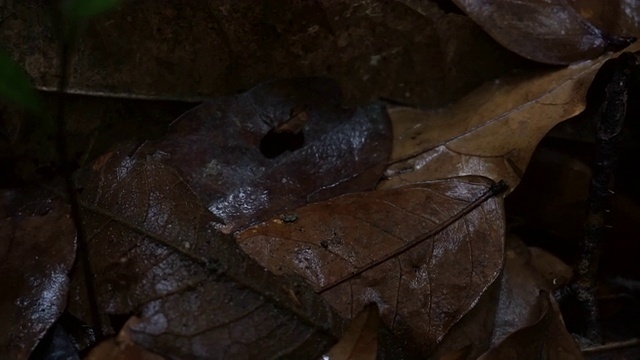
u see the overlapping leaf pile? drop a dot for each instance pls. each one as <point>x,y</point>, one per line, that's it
<point>262,224</point>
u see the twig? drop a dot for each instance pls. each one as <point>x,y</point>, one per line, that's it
<point>607,139</point>
<point>612,346</point>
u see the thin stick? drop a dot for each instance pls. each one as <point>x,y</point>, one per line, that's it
<point>607,140</point>
<point>612,346</point>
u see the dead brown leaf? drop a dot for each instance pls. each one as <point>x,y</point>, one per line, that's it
<point>544,339</point>
<point>527,273</point>
<point>233,153</point>
<point>360,341</point>
<point>473,331</point>
<point>519,304</point>
<point>492,132</point>
<point>421,293</point>
<point>528,324</point>
<point>548,31</point>
<point>37,250</point>
<point>155,251</point>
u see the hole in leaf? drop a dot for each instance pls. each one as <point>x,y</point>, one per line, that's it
<point>276,142</point>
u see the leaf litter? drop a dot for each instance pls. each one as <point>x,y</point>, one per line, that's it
<point>449,270</point>
<point>155,250</point>
<point>227,149</point>
<point>159,250</point>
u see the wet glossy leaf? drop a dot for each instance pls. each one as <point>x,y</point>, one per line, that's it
<point>276,147</point>
<point>528,324</point>
<point>421,293</point>
<point>360,341</point>
<point>156,251</point>
<point>37,243</point>
<point>473,332</point>
<point>551,32</point>
<point>491,132</point>
<point>520,303</point>
<point>544,338</point>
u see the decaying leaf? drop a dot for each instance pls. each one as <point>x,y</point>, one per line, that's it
<point>520,303</point>
<point>528,324</point>
<point>516,305</point>
<point>155,250</point>
<point>546,338</point>
<point>276,147</point>
<point>360,340</point>
<point>492,132</point>
<point>548,31</point>
<point>37,249</point>
<point>422,292</point>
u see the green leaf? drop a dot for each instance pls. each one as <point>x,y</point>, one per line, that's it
<point>15,85</point>
<point>80,9</point>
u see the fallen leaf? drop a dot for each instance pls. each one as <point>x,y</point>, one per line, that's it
<point>473,331</point>
<point>528,324</point>
<point>519,304</point>
<point>492,132</point>
<point>360,341</point>
<point>216,148</point>
<point>547,31</point>
<point>544,339</point>
<point>156,251</point>
<point>422,292</point>
<point>37,247</point>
